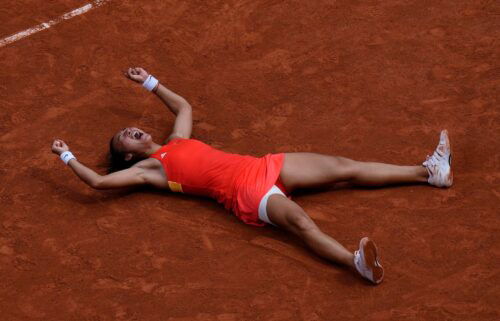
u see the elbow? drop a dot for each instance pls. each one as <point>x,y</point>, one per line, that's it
<point>96,184</point>
<point>181,103</point>
<point>186,106</point>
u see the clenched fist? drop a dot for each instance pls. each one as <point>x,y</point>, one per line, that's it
<point>137,74</point>
<point>59,147</point>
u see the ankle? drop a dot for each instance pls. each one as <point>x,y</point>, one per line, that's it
<point>350,261</point>
<point>422,173</point>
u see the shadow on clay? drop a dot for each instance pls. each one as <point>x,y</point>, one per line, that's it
<point>348,187</point>
<point>345,275</point>
<point>297,251</point>
<point>76,195</point>
<point>303,255</point>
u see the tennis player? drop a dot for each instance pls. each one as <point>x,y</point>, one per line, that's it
<point>257,190</point>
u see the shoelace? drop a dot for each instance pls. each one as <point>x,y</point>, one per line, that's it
<point>433,161</point>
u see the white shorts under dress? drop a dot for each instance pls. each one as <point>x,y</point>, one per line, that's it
<point>263,204</point>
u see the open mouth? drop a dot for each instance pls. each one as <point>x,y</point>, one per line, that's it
<point>137,135</point>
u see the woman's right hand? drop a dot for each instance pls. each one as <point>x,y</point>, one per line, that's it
<point>59,147</point>
<point>137,74</point>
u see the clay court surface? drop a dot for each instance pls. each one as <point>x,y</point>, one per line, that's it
<point>370,80</point>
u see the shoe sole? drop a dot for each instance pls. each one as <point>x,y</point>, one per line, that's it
<point>372,259</point>
<point>449,180</point>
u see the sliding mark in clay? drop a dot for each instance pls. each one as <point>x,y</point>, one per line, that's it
<point>47,25</point>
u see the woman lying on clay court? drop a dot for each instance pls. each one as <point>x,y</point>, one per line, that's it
<point>255,189</point>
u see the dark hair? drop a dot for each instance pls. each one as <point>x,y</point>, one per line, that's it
<point>117,159</point>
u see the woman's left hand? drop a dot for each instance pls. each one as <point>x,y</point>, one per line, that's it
<point>59,147</point>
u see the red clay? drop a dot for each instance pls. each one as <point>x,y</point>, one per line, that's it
<point>370,80</point>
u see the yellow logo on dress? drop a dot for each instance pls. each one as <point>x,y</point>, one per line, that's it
<point>175,187</point>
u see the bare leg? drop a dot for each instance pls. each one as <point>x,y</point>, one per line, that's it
<point>290,216</point>
<point>302,170</point>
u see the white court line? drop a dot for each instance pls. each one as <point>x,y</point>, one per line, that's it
<point>47,25</point>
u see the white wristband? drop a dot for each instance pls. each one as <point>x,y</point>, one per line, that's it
<point>67,156</point>
<point>150,83</point>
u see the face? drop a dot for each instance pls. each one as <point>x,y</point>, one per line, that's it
<point>133,141</point>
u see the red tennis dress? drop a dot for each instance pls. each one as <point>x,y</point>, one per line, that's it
<point>237,181</point>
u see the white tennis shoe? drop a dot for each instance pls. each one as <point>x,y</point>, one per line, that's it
<point>439,164</point>
<point>366,261</point>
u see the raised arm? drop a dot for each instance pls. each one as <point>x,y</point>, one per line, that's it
<point>127,177</point>
<point>178,105</point>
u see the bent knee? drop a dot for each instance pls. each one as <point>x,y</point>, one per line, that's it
<point>301,222</point>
